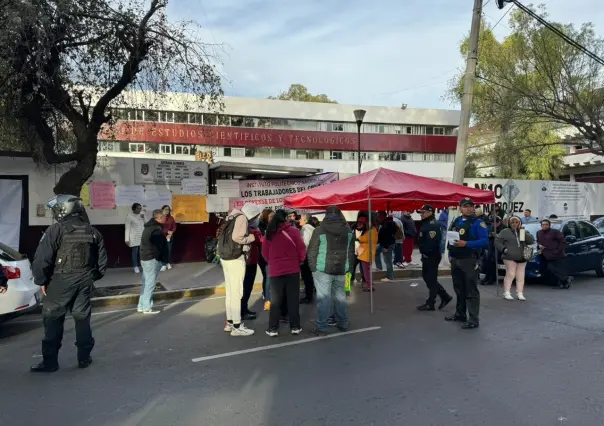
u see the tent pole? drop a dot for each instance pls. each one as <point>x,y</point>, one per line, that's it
<point>496,263</point>
<point>371,250</point>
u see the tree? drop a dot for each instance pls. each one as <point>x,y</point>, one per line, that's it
<point>64,65</point>
<point>298,92</point>
<point>534,83</point>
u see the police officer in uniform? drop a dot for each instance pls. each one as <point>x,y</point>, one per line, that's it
<point>70,257</point>
<point>430,235</point>
<point>465,254</point>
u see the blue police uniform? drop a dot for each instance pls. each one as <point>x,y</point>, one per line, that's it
<point>465,268</point>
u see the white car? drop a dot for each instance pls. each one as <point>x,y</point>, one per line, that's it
<point>22,295</point>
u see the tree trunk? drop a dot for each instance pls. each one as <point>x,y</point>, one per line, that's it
<point>72,180</point>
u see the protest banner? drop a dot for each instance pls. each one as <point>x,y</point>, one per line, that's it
<point>270,193</point>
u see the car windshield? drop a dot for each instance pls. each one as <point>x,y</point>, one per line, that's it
<point>535,227</point>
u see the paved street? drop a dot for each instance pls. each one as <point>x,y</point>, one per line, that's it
<point>537,363</point>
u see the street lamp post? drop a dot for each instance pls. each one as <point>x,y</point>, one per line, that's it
<point>359,115</point>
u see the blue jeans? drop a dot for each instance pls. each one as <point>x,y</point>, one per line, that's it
<point>331,287</point>
<point>398,253</point>
<point>387,260</point>
<point>149,275</point>
<point>135,252</point>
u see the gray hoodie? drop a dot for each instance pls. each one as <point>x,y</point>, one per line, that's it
<point>508,243</point>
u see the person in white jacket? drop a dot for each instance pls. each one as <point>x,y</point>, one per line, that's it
<point>135,223</point>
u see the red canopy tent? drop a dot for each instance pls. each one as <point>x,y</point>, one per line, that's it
<point>388,190</point>
<point>385,189</point>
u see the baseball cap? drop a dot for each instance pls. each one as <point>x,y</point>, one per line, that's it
<point>465,202</point>
<point>426,208</point>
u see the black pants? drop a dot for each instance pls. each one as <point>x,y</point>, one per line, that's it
<point>357,262</point>
<point>64,296</point>
<point>262,265</point>
<point>465,282</point>
<point>555,271</point>
<point>430,276</point>
<point>285,290</point>
<point>309,282</point>
<point>248,286</point>
<point>489,267</point>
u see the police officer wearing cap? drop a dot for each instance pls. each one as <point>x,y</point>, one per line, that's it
<point>70,257</point>
<point>430,235</point>
<point>473,238</point>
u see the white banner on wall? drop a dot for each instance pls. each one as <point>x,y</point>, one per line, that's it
<point>168,172</point>
<point>11,200</point>
<point>270,193</point>
<point>567,200</point>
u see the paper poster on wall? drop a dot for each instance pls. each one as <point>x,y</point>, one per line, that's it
<point>11,194</point>
<point>194,186</point>
<point>127,195</point>
<point>85,194</point>
<point>567,200</point>
<point>271,192</point>
<point>167,172</point>
<point>227,188</point>
<point>189,208</point>
<point>102,195</point>
<point>217,204</point>
<point>156,200</point>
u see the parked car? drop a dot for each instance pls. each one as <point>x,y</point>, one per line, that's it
<point>599,224</point>
<point>22,295</point>
<point>585,250</point>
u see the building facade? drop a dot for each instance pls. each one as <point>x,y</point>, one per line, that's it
<point>257,133</point>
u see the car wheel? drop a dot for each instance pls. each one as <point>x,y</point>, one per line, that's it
<point>600,269</point>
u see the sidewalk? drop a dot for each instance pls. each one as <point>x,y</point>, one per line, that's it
<point>201,275</point>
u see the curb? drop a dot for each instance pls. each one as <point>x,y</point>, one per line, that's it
<point>203,292</point>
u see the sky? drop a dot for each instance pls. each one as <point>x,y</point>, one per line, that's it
<point>380,52</point>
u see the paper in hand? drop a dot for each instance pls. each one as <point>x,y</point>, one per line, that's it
<point>452,237</point>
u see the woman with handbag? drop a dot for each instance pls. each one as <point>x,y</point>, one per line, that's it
<point>514,243</point>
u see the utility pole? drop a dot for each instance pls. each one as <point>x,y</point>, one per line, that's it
<point>468,93</point>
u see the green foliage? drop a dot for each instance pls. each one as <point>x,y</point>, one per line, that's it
<point>298,92</point>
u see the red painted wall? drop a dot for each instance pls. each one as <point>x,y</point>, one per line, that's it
<point>133,131</point>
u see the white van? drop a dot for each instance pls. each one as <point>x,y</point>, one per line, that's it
<point>22,295</point>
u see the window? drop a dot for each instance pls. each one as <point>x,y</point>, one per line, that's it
<point>587,230</point>
<point>181,117</point>
<point>195,118</point>
<point>209,119</point>
<point>250,122</point>
<point>227,152</point>
<point>136,147</point>
<point>398,156</point>
<point>250,152</point>
<point>223,120</point>
<point>151,116</point>
<point>152,148</point>
<point>133,115</point>
<point>165,149</point>
<point>121,114</point>
<point>182,149</point>
<point>304,125</point>
<point>335,127</point>
<point>105,146</point>
<point>408,130</point>
<point>236,121</point>
<point>571,229</point>
<point>335,155</point>
<point>166,117</point>
<point>264,123</point>
<point>280,123</point>
<point>439,131</point>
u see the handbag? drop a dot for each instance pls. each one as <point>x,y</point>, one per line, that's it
<point>527,253</point>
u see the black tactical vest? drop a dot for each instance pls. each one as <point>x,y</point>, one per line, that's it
<point>463,227</point>
<point>75,252</point>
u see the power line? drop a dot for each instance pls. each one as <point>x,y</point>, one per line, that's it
<point>559,33</point>
<point>504,15</point>
<point>421,85</point>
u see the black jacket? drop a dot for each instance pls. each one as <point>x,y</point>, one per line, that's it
<point>331,248</point>
<point>153,242</point>
<point>409,226</point>
<point>43,265</point>
<point>387,232</point>
<point>430,235</point>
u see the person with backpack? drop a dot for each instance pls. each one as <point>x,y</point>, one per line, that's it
<point>251,269</point>
<point>284,250</point>
<point>233,245</point>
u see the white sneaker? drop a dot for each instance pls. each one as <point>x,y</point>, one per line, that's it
<point>136,270</point>
<point>386,280</point>
<point>169,266</point>
<point>507,296</point>
<point>406,265</point>
<point>520,296</point>
<point>163,269</point>
<point>242,331</point>
<point>296,331</point>
<point>228,327</point>
<point>151,312</point>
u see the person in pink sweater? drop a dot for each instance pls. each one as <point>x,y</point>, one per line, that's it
<point>284,251</point>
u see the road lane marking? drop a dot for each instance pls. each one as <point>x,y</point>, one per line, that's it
<point>282,345</point>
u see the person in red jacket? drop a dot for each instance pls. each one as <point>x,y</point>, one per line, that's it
<point>284,251</point>
<point>169,228</point>
<point>251,269</point>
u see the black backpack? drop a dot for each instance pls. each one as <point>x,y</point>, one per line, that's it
<point>228,249</point>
